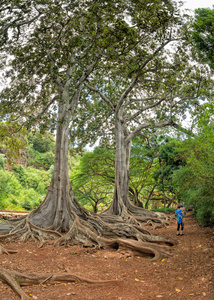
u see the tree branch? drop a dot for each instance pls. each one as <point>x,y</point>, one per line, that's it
<point>93,89</point>
<point>144,126</point>
<point>182,129</point>
<point>145,108</point>
<point>135,80</point>
<point>131,100</point>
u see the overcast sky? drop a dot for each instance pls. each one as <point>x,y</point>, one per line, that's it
<point>193,4</point>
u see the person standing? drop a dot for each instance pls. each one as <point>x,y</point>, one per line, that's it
<point>180,224</point>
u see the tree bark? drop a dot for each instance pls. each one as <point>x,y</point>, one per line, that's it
<point>120,199</point>
<point>54,211</point>
<point>121,204</point>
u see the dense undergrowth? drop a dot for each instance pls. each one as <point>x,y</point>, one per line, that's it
<point>23,189</point>
<point>24,183</point>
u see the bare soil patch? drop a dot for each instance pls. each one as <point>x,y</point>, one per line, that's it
<point>188,274</point>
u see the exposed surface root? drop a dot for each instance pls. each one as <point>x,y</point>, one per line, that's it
<point>6,251</point>
<point>138,242</point>
<point>16,279</point>
<point>157,252</point>
<point>89,229</point>
<point>138,215</point>
<point>156,224</point>
<point>25,230</point>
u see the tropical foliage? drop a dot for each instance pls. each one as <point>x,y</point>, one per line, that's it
<point>195,181</point>
<point>203,34</point>
<point>25,186</point>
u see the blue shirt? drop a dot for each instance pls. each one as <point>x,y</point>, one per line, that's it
<point>179,215</point>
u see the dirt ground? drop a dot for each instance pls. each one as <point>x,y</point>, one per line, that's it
<point>188,274</point>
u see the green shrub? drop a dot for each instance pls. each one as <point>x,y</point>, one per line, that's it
<point>25,196</point>
<point>19,172</point>
<point>33,178</point>
<point>2,161</point>
<point>198,193</point>
<point>30,199</point>
<point>205,213</point>
<point>42,142</point>
<point>41,149</point>
<point>9,184</point>
<point>38,159</point>
<point>11,203</point>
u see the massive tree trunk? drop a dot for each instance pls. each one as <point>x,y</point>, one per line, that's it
<point>121,204</point>
<point>122,157</point>
<point>54,211</point>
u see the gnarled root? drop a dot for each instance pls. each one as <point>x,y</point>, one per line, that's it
<point>156,225</point>
<point>16,279</point>
<point>102,231</point>
<point>157,252</point>
<point>6,251</point>
<point>152,245</point>
<point>154,222</point>
<point>25,230</point>
<point>138,215</point>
